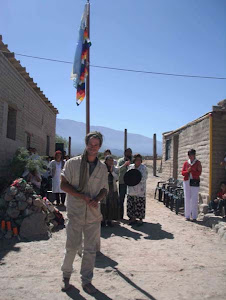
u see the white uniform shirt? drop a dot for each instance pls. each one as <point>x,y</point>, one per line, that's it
<point>139,189</point>
<point>77,207</point>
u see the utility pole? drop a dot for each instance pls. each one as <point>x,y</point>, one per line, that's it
<point>69,147</point>
<point>154,155</point>
<point>125,139</point>
<point>88,76</point>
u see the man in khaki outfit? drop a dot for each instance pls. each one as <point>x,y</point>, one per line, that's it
<point>85,180</point>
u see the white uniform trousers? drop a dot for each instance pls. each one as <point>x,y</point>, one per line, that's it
<point>91,234</point>
<point>191,194</point>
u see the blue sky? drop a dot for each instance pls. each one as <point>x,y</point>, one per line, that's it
<point>185,37</point>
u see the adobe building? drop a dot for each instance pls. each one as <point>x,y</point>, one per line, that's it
<point>207,135</point>
<point>27,117</point>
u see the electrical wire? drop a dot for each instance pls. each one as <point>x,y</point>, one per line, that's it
<point>123,69</point>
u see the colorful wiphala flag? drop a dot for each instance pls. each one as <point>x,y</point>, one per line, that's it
<point>80,71</point>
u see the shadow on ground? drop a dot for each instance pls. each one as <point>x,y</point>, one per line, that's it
<point>74,294</point>
<point>6,246</point>
<point>153,231</point>
<point>103,262</point>
<point>9,245</point>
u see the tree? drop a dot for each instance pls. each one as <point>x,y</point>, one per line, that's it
<point>60,139</point>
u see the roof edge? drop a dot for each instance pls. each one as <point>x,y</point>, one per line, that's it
<point>16,64</point>
<point>188,124</point>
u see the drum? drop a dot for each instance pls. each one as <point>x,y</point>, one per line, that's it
<point>132,177</point>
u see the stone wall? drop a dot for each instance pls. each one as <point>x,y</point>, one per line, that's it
<point>33,116</point>
<point>167,164</point>
<point>219,149</point>
<point>194,136</point>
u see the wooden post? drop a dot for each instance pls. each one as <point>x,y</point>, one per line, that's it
<point>125,139</point>
<point>88,77</point>
<point>154,154</point>
<point>69,147</point>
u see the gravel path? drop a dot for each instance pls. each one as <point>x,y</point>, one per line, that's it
<point>166,258</point>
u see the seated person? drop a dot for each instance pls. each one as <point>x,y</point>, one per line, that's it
<point>217,204</point>
<point>223,162</point>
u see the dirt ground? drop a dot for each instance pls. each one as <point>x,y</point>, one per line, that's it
<point>166,258</point>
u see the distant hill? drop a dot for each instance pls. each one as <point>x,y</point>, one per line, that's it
<point>113,139</point>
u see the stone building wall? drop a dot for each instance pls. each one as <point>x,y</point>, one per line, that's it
<point>195,135</point>
<point>33,117</point>
<point>167,163</point>
<point>219,149</point>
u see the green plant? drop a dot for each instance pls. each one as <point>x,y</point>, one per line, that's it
<point>35,165</point>
<point>60,139</point>
<point>22,161</point>
<point>19,162</point>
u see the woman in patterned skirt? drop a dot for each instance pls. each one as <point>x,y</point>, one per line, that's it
<point>136,195</point>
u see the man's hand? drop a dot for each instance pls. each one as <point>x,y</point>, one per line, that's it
<point>93,203</point>
<point>87,199</point>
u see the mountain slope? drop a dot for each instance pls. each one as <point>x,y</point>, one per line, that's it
<point>113,139</point>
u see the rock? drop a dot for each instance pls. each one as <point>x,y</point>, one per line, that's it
<point>211,220</point>
<point>219,225</point>
<point>13,212</point>
<point>222,231</point>
<point>38,202</point>
<point>20,197</point>
<point>8,197</point>
<point>13,204</point>
<point>29,200</point>
<point>36,209</point>
<point>29,189</point>
<point>34,226</point>
<point>224,237</point>
<point>27,212</point>
<point>22,205</point>
<point>203,208</point>
<point>12,191</point>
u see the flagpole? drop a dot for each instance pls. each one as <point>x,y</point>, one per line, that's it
<point>88,77</point>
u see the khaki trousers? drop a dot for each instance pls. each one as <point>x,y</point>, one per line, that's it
<point>91,233</point>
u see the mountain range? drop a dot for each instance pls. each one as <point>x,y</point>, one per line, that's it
<point>113,139</point>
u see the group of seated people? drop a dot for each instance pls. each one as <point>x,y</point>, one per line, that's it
<point>216,205</point>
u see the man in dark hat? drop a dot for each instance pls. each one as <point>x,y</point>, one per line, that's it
<point>85,180</point>
<point>123,164</point>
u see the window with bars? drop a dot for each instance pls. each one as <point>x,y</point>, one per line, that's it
<point>11,124</point>
<point>168,149</point>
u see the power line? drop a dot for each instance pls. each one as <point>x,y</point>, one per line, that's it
<point>124,70</point>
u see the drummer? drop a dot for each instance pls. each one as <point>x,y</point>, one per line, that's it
<point>136,195</point>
